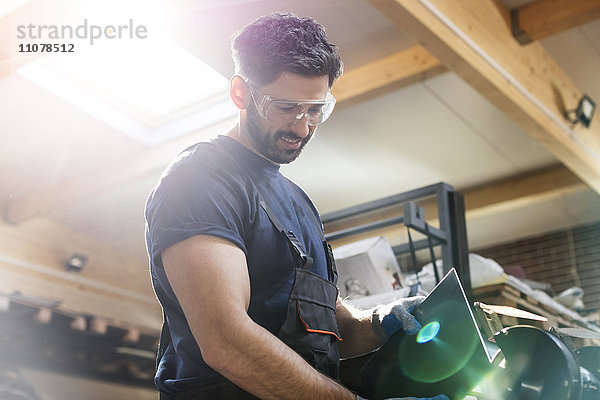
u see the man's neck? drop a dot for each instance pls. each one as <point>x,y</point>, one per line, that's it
<point>237,134</point>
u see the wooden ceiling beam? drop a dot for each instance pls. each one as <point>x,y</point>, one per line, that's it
<point>521,191</point>
<point>543,18</point>
<point>481,201</point>
<point>32,263</point>
<point>386,74</point>
<point>472,38</point>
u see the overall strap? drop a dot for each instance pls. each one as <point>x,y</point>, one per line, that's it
<point>331,268</point>
<point>295,244</point>
<point>318,226</point>
<point>298,250</point>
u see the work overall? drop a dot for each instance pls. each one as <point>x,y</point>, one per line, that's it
<point>309,328</point>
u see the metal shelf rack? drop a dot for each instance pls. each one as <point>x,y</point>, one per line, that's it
<point>451,235</point>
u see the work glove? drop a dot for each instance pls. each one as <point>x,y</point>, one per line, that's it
<point>438,397</point>
<point>388,319</point>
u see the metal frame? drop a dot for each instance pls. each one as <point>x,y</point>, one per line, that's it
<point>451,235</point>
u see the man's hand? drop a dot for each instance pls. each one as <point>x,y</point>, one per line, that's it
<point>438,397</point>
<point>388,319</point>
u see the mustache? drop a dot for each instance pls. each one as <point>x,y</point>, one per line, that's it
<point>290,135</point>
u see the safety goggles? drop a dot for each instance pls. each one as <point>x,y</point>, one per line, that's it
<point>286,111</point>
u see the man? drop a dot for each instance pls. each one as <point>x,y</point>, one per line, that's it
<point>238,258</point>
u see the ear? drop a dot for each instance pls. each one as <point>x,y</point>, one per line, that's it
<point>239,91</point>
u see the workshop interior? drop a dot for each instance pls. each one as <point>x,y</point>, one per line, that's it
<point>461,163</point>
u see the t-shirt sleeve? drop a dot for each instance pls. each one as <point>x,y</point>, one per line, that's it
<point>195,200</point>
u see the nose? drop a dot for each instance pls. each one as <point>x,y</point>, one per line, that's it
<point>300,126</point>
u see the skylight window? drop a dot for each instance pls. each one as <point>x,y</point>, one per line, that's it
<point>152,90</point>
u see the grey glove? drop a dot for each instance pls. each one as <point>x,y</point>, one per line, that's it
<point>438,397</point>
<point>388,319</point>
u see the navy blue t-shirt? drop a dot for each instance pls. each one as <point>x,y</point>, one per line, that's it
<point>213,190</point>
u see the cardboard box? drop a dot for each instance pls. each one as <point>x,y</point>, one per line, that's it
<point>367,267</point>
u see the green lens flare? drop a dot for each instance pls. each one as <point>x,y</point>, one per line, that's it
<point>428,332</point>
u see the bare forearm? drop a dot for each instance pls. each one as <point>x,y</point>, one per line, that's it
<point>355,327</point>
<point>263,365</point>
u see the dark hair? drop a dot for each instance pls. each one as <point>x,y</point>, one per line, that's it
<point>283,42</point>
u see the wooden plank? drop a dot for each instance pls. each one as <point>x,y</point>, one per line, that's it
<point>79,323</point>
<point>554,318</point>
<point>386,74</point>
<point>132,336</point>
<point>512,297</point>
<point>44,315</point>
<point>511,290</point>
<point>42,247</point>
<point>4,303</point>
<point>31,263</point>
<point>487,291</point>
<point>521,191</point>
<point>77,300</point>
<point>543,18</point>
<point>472,38</point>
<point>98,326</point>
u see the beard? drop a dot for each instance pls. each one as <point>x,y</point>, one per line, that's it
<point>267,143</point>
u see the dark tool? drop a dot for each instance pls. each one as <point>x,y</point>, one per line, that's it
<point>448,356</point>
<point>540,366</point>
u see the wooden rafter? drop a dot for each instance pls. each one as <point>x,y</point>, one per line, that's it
<point>481,201</point>
<point>521,191</point>
<point>472,38</point>
<point>386,74</point>
<point>32,258</point>
<point>543,18</point>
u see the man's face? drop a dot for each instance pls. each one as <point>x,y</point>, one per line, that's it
<point>282,144</point>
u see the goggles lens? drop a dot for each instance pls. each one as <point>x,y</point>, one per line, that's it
<point>285,112</point>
